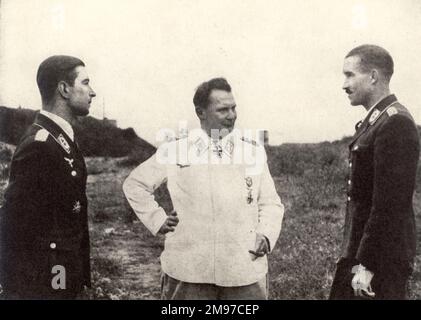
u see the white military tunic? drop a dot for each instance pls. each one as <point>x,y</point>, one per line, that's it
<point>221,203</point>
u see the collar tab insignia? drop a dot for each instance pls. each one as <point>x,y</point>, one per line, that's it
<point>200,145</point>
<point>63,142</point>
<point>229,147</point>
<point>374,116</point>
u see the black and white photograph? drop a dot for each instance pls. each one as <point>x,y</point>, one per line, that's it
<point>210,150</point>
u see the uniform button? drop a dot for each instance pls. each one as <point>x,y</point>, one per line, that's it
<point>350,164</point>
<point>52,245</point>
<point>349,182</point>
<point>74,173</point>
<point>349,199</point>
<point>356,148</point>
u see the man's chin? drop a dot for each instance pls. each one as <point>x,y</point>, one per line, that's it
<point>81,112</point>
<point>229,128</point>
<point>354,103</point>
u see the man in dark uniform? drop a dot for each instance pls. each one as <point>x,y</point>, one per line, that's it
<point>44,238</point>
<point>379,243</point>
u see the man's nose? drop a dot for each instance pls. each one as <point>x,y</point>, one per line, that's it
<point>232,114</point>
<point>92,93</point>
<point>345,85</point>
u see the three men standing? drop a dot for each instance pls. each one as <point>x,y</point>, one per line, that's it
<point>227,213</point>
<point>43,223</point>
<point>379,243</point>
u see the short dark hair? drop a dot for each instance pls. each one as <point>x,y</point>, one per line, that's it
<point>374,57</point>
<point>53,70</point>
<point>201,97</point>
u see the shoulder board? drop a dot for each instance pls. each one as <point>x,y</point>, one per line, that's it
<point>172,139</point>
<point>180,138</point>
<point>392,111</point>
<point>41,135</point>
<point>254,143</point>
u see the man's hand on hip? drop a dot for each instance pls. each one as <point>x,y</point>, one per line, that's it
<point>170,223</point>
<point>261,247</point>
<point>361,282</point>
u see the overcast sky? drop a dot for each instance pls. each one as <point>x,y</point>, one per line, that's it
<point>283,58</point>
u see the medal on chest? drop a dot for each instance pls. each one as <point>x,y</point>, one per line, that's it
<point>77,207</point>
<point>249,185</point>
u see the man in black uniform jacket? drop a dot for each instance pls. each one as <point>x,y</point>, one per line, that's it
<point>44,236</point>
<point>379,243</point>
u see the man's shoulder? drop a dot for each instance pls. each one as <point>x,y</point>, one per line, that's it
<point>399,110</point>
<point>397,124</point>
<point>394,115</point>
<point>248,140</point>
<point>36,134</point>
<point>251,143</point>
<point>35,138</point>
<point>397,114</point>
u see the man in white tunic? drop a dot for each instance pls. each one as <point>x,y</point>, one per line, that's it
<point>227,215</point>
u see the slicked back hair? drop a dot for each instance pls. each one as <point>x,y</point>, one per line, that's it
<point>201,97</point>
<point>53,70</point>
<point>374,57</point>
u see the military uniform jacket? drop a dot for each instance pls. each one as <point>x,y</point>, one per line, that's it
<point>44,216</point>
<point>379,225</point>
<point>221,203</point>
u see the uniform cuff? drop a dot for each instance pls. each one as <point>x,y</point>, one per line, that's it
<point>160,218</point>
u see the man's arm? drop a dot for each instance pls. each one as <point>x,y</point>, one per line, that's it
<point>396,152</point>
<point>139,187</point>
<point>23,209</point>
<point>29,187</point>
<point>271,209</point>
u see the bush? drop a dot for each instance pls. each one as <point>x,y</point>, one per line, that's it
<point>136,157</point>
<point>5,159</point>
<point>95,137</point>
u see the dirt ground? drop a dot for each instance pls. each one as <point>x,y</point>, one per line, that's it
<point>125,256</point>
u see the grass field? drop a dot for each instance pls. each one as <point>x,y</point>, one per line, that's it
<point>311,182</point>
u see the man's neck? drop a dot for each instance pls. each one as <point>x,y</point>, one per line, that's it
<point>60,110</point>
<point>375,98</point>
<point>215,134</point>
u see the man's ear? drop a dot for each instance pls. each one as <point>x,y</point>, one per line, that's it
<point>374,76</point>
<point>201,113</point>
<point>63,89</point>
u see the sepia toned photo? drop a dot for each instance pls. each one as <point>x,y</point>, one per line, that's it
<point>210,150</point>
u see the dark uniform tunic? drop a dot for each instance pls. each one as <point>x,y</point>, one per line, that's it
<point>379,228</point>
<point>43,221</point>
